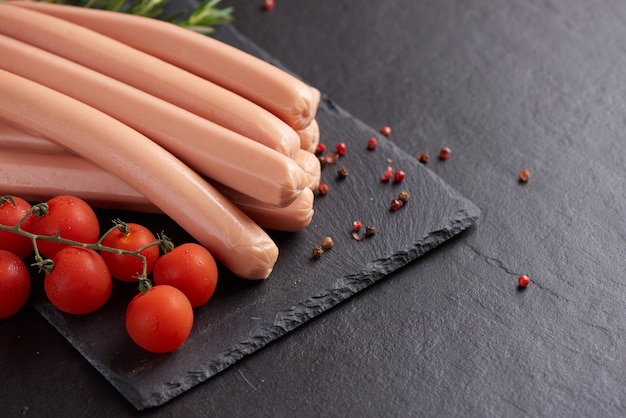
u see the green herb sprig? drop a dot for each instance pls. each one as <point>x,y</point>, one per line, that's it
<point>203,19</point>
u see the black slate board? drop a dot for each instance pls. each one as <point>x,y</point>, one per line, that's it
<point>244,316</point>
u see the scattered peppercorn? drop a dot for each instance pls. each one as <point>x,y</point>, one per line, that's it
<point>386,175</point>
<point>444,153</point>
<point>385,130</point>
<point>372,143</point>
<point>396,204</point>
<point>269,5</point>
<point>404,196</point>
<point>523,280</point>
<point>398,176</point>
<point>423,157</point>
<point>341,148</point>
<point>317,252</point>
<point>524,176</point>
<point>327,243</point>
<point>320,149</point>
<point>370,230</point>
<point>343,172</point>
<point>356,226</point>
<point>331,157</point>
<point>356,236</point>
<point>322,189</point>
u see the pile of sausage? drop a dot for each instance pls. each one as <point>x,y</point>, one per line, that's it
<point>136,113</point>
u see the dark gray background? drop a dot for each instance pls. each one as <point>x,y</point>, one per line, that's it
<point>506,85</point>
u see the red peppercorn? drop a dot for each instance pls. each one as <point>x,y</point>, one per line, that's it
<point>320,149</point>
<point>386,175</point>
<point>444,153</point>
<point>523,280</point>
<point>423,157</point>
<point>399,175</point>
<point>395,205</point>
<point>356,226</point>
<point>341,148</point>
<point>331,157</point>
<point>269,5</point>
<point>372,143</point>
<point>524,176</point>
<point>322,189</point>
<point>385,130</point>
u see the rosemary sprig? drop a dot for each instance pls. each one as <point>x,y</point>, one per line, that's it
<point>203,19</point>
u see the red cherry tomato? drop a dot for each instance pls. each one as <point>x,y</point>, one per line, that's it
<point>69,216</point>
<point>10,215</point>
<point>14,284</point>
<point>190,268</point>
<point>129,237</point>
<point>159,320</point>
<point>80,281</point>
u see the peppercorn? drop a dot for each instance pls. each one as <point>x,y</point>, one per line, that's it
<point>523,280</point>
<point>320,149</point>
<point>331,157</point>
<point>356,226</point>
<point>342,173</point>
<point>386,175</point>
<point>396,204</point>
<point>423,157</point>
<point>398,176</point>
<point>524,176</point>
<point>370,230</point>
<point>404,196</point>
<point>356,236</point>
<point>385,130</point>
<point>372,143</point>
<point>327,243</point>
<point>341,148</point>
<point>444,153</point>
<point>269,5</point>
<point>317,252</point>
<point>322,189</point>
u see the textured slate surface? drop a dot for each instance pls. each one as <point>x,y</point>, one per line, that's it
<point>245,316</point>
<point>535,84</point>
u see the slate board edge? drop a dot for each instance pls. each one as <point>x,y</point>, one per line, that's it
<point>302,312</point>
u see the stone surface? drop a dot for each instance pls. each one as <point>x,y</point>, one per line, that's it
<point>506,85</point>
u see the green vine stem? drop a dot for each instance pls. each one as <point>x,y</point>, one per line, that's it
<point>46,265</point>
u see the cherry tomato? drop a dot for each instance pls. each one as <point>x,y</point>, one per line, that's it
<point>80,281</point>
<point>14,284</point>
<point>190,268</point>
<point>129,237</point>
<point>69,216</point>
<point>10,215</point>
<point>159,320</point>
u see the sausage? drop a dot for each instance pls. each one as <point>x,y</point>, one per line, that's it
<point>240,244</point>
<point>12,137</point>
<point>37,176</point>
<point>272,88</point>
<point>295,217</point>
<point>210,149</point>
<point>310,164</point>
<point>309,136</point>
<point>149,74</point>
